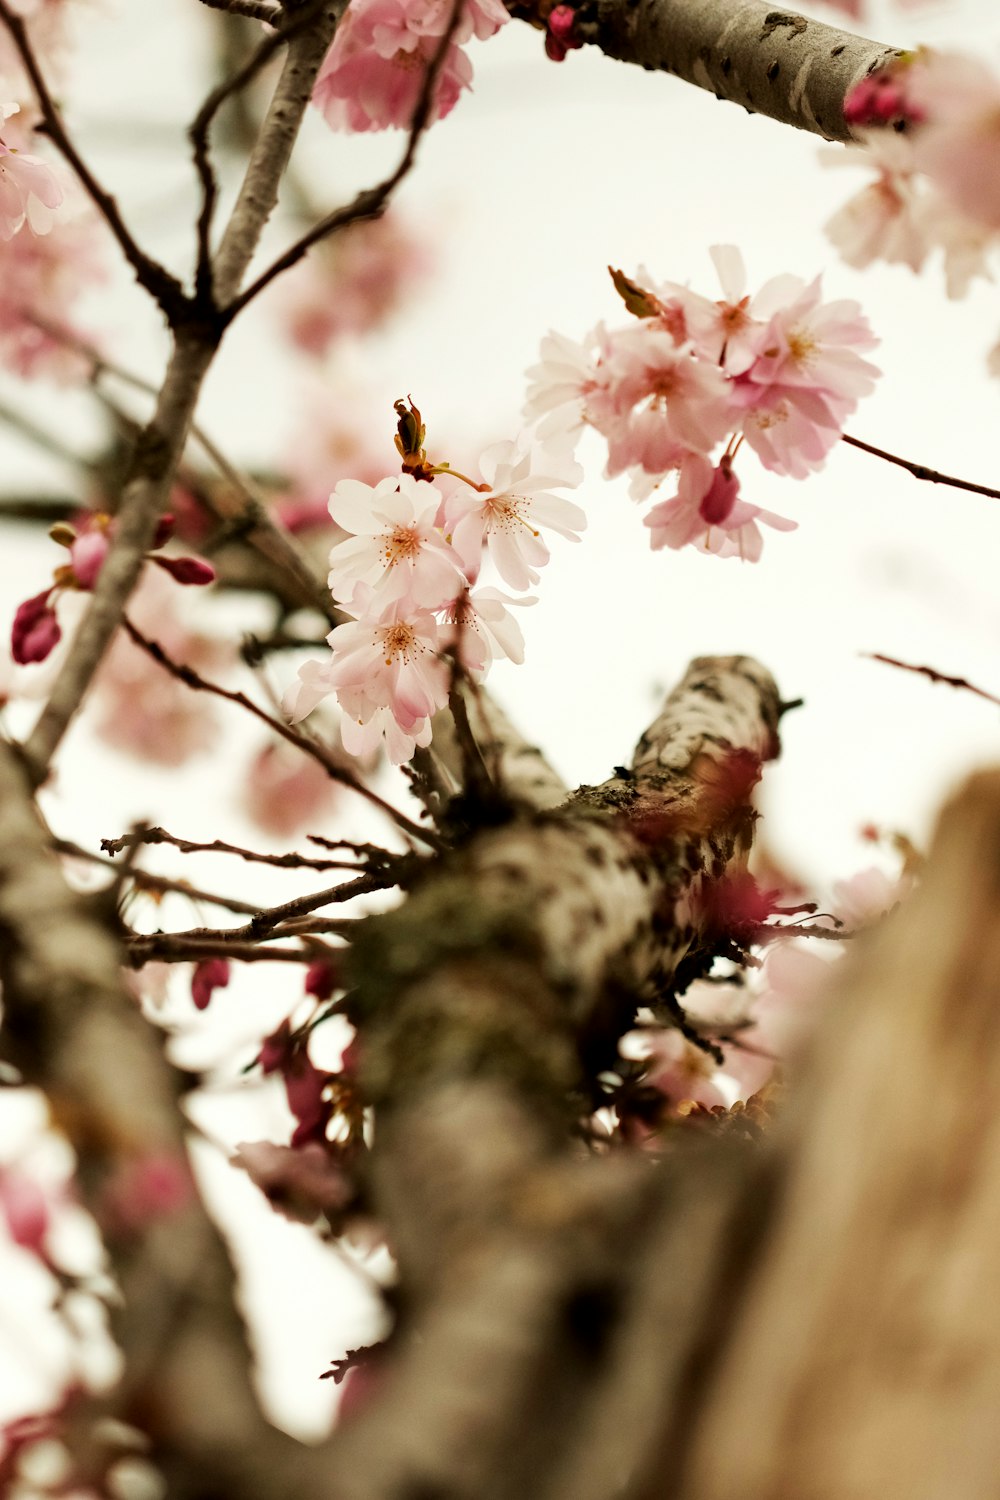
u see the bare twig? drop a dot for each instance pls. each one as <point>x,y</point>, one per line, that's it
<point>168,948</point>
<point>218,846</point>
<point>934,675</point>
<point>370,203</point>
<point>157,884</point>
<point>921,471</point>
<point>155,278</point>
<point>331,766</point>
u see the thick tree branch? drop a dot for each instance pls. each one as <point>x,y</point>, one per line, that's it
<point>793,69</point>
<point>868,1357</point>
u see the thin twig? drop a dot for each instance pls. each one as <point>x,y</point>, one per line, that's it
<point>934,675</point>
<point>218,846</point>
<point>165,947</point>
<point>331,766</point>
<point>157,884</point>
<point>921,471</point>
<point>155,278</point>
<point>370,203</point>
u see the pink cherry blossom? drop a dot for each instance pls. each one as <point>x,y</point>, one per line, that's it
<point>285,791</point>
<point>384,660</point>
<point>482,628</point>
<point>393,546</point>
<point>87,555</point>
<point>663,401</point>
<point>958,143</point>
<point>868,895</point>
<point>152,715</point>
<point>568,375</point>
<point>706,513</point>
<point>25,1210</point>
<point>351,283</point>
<point>509,517</point>
<point>43,277</point>
<point>805,377</point>
<point>25,183</point>
<point>884,220</point>
<point>372,76</point>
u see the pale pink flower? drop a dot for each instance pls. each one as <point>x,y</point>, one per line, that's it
<point>662,401</point>
<point>720,331</point>
<point>333,437</point>
<point>568,375</point>
<point>26,1211</point>
<point>311,687</point>
<point>373,73</point>
<point>26,182</point>
<point>43,276</point>
<point>384,660</point>
<point>676,1068</point>
<point>707,514</point>
<point>958,143</point>
<point>509,517</point>
<point>284,791</point>
<point>393,545</point>
<point>481,626</point>
<point>868,895</point>
<point>884,220</point>
<point>351,283</point>
<point>142,710</point>
<point>805,376</point>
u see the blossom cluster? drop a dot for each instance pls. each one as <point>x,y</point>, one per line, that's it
<point>373,74</point>
<point>407,573</point>
<point>780,371</point>
<point>937,166</point>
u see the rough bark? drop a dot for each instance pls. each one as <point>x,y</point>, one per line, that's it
<point>867,1362</point>
<point>773,62</point>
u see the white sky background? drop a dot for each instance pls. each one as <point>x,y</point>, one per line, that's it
<point>538,181</point>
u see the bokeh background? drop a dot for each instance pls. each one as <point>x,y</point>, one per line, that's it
<point>541,178</point>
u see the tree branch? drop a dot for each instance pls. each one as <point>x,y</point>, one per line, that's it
<point>921,471</point>
<point>772,62</point>
<point>370,203</point>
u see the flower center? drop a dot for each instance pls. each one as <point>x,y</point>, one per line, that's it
<point>399,640</point>
<point>505,513</point>
<point>401,545</point>
<point>801,346</point>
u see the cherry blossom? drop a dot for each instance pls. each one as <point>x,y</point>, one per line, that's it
<point>351,283</point>
<point>805,378</point>
<point>483,628</point>
<point>508,518</point>
<point>663,401</point>
<point>284,791</point>
<point>561,384</point>
<point>300,1182</point>
<point>884,220</point>
<point>372,76</point>
<point>706,513</point>
<point>25,183</point>
<point>958,142</point>
<point>394,546</point>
